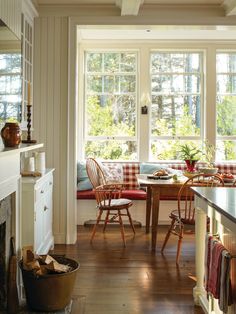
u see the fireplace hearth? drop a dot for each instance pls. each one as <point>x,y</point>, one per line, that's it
<point>3,295</point>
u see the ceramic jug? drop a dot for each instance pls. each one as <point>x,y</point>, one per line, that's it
<point>11,134</point>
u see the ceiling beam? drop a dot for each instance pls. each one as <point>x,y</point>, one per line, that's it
<point>129,7</point>
<point>230,7</point>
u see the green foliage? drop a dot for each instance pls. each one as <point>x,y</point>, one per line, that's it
<point>185,124</point>
<point>104,122</point>
<point>226,117</point>
<point>208,153</point>
<point>113,149</point>
<point>181,126</point>
<point>189,152</point>
<point>165,150</point>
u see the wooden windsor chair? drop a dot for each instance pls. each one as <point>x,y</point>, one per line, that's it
<point>109,199</point>
<point>185,212</point>
<point>95,172</point>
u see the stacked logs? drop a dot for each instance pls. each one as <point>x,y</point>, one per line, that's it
<point>42,265</point>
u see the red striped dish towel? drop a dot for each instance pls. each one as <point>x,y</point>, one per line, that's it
<point>208,252</point>
<point>213,285</point>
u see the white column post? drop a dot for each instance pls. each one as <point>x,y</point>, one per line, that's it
<point>200,233</point>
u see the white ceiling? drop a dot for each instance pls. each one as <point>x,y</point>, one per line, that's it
<point>133,7</point>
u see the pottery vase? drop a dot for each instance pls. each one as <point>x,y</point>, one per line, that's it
<point>11,134</point>
<point>191,165</point>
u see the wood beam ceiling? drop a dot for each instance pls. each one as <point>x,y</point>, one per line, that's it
<point>230,7</point>
<point>130,7</point>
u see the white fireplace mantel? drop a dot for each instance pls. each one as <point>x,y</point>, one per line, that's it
<point>10,161</point>
<point>22,148</point>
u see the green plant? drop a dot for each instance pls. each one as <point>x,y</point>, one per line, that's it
<point>189,152</point>
<point>209,153</point>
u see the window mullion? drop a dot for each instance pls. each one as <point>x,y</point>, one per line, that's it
<point>210,97</point>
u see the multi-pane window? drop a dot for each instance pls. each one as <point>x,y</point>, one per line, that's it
<point>10,86</point>
<point>176,89</point>
<point>111,105</point>
<point>114,126</point>
<point>226,105</point>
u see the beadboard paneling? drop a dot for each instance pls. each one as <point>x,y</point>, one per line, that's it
<point>10,13</point>
<point>50,107</point>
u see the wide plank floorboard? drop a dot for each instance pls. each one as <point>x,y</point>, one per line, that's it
<point>132,280</point>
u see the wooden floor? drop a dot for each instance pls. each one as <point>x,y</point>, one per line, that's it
<point>131,280</point>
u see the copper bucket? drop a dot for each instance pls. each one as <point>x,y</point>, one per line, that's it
<point>50,292</point>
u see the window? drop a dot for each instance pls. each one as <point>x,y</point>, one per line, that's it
<point>226,105</point>
<point>176,89</point>
<point>111,105</point>
<point>10,86</point>
<point>183,103</point>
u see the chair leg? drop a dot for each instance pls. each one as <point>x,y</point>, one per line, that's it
<point>96,224</point>
<point>168,235</point>
<point>130,220</point>
<point>179,243</point>
<point>122,228</point>
<point>106,220</point>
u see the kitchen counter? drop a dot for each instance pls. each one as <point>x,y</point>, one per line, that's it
<point>219,204</point>
<point>222,199</point>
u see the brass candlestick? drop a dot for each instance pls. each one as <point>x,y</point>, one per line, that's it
<point>29,140</point>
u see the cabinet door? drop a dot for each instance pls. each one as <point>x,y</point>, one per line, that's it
<point>39,226</point>
<point>43,223</point>
<point>47,216</point>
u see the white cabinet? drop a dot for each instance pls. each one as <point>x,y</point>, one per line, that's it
<point>36,218</point>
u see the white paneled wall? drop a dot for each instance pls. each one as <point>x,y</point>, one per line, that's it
<point>10,13</point>
<point>50,107</point>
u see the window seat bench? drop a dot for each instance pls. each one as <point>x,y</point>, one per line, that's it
<point>86,204</point>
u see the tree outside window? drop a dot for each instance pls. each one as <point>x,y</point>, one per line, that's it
<point>111,105</point>
<point>176,88</point>
<point>226,105</point>
<point>10,86</point>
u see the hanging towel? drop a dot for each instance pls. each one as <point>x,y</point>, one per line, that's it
<point>225,283</point>
<point>215,270</point>
<point>208,252</point>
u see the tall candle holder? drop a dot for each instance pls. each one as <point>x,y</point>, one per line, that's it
<point>29,140</point>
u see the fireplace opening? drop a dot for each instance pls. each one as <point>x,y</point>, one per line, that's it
<point>7,229</point>
<point>3,294</point>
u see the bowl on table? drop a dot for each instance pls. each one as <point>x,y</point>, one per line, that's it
<point>190,174</point>
<point>207,170</point>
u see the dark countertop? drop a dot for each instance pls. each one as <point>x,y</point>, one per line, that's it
<point>223,199</point>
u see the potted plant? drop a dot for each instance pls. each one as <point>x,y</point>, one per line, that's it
<point>208,158</point>
<point>190,154</point>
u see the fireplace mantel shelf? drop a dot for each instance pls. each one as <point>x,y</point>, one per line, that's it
<point>22,148</point>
